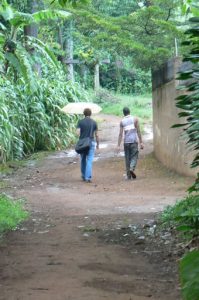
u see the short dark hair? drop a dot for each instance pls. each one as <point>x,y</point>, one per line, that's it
<point>87,112</point>
<point>126,111</point>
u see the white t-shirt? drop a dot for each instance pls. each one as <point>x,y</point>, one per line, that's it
<point>130,131</point>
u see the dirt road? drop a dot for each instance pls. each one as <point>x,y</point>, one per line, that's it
<point>80,241</point>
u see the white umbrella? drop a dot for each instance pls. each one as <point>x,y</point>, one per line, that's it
<point>78,108</point>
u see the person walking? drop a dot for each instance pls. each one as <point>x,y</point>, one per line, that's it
<point>130,126</point>
<point>87,127</point>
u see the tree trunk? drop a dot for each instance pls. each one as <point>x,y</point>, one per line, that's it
<point>118,81</point>
<point>69,53</point>
<point>61,57</point>
<point>96,78</point>
<point>32,29</point>
<point>84,73</point>
<point>60,36</point>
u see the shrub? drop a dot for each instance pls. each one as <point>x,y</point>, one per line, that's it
<point>184,215</point>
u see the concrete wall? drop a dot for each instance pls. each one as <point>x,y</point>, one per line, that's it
<point>169,144</point>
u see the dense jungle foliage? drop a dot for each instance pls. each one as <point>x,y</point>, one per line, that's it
<point>49,53</point>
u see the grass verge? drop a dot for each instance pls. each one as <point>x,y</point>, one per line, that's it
<point>140,106</point>
<point>12,213</point>
<point>111,103</point>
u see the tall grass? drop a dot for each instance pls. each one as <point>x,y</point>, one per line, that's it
<point>33,121</point>
<point>140,106</point>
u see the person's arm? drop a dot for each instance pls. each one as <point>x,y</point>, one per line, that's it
<point>78,132</point>
<point>120,137</point>
<point>137,126</point>
<point>97,139</point>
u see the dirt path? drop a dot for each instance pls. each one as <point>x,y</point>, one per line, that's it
<point>80,241</point>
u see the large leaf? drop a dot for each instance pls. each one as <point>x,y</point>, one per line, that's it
<point>20,18</point>
<point>45,50</point>
<point>2,27</point>
<point>178,125</point>
<point>50,14</point>
<point>6,11</point>
<point>73,2</point>
<point>189,275</point>
<point>20,62</point>
<point>27,69</point>
<point>13,60</point>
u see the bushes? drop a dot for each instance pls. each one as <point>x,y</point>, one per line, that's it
<point>11,213</point>
<point>135,81</point>
<point>184,215</point>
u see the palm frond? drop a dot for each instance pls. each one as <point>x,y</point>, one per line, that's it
<point>27,69</point>
<point>17,18</point>
<point>20,18</point>
<point>50,14</point>
<point>45,50</point>
<point>21,63</point>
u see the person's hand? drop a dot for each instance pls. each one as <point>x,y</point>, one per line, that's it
<point>141,146</point>
<point>117,149</point>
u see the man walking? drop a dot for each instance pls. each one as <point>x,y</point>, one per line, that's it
<point>87,127</point>
<point>130,126</point>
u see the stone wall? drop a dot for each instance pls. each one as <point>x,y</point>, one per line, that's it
<point>169,144</point>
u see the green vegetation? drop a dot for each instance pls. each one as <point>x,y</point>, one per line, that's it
<point>189,102</point>
<point>190,275</point>
<point>49,57</point>
<point>11,213</point>
<point>34,121</point>
<point>184,215</point>
<point>126,38</point>
<point>33,88</point>
<point>141,106</point>
<point>36,40</point>
<point>141,31</point>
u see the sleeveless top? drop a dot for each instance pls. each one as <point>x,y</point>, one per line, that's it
<point>130,131</point>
